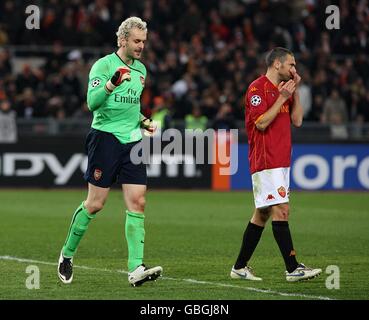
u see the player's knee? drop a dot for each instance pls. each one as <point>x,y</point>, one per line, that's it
<point>282,212</point>
<point>94,206</point>
<point>139,203</point>
<point>262,215</point>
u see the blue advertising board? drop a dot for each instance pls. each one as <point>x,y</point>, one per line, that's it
<point>314,167</point>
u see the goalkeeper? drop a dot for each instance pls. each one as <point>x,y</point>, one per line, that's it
<point>116,82</point>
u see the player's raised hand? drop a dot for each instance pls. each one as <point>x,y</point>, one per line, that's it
<point>281,84</point>
<point>120,75</point>
<point>287,89</point>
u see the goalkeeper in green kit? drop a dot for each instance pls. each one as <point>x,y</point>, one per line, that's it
<point>116,82</point>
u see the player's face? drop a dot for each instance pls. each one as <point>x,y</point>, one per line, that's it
<point>135,43</point>
<point>287,69</point>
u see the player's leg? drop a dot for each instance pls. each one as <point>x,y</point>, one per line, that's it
<point>282,235</point>
<point>133,178</point>
<point>103,150</point>
<point>250,240</point>
<point>263,190</point>
<point>81,218</point>
<point>252,236</point>
<point>134,197</point>
<point>281,231</point>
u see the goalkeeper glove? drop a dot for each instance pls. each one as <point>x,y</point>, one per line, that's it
<point>149,126</point>
<point>121,74</point>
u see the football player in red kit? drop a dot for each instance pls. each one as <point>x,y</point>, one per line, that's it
<point>272,104</point>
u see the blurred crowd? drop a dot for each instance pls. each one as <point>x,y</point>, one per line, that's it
<point>200,56</point>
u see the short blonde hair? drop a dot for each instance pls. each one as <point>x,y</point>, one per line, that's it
<point>127,25</point>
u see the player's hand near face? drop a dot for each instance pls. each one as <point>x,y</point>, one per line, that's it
<point>296,78</point>
<point>287,89</point>
<point>120,75</point>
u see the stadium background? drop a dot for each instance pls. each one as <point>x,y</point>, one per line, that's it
<point>200,57</point>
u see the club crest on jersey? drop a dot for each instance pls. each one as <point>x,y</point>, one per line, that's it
<point>255,100</point>
<point>282,191</point>
<point>142,80</point>
<point>95,82</point>
<point>97,174</point>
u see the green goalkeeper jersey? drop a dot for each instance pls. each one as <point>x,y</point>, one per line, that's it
<point>118,112</point>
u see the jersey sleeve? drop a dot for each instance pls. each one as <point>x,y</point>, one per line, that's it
<point>255,102</point>
<point>98,77</point>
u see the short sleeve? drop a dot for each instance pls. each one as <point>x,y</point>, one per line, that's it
<point>255,102</point>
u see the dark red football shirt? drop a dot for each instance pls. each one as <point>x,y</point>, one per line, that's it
<point>270,148</point>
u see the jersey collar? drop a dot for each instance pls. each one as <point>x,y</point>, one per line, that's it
<point>128,65</point>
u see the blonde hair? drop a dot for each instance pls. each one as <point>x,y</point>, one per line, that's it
<point>127,25</point>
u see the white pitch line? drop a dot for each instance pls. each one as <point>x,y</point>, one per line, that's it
<point>267,291</point>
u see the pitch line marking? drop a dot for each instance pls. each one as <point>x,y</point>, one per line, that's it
<point>267,291</point>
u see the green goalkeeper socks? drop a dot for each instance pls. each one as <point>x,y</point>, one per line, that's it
<point>135,235</point>
<point>77,229</point>
<point>134,229</point>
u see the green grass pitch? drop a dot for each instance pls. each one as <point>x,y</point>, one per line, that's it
<point>194,235</point>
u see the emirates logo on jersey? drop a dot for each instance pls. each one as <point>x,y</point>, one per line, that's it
<point>255,100</point>
<point>282,191</point>
<point>142,80</point>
